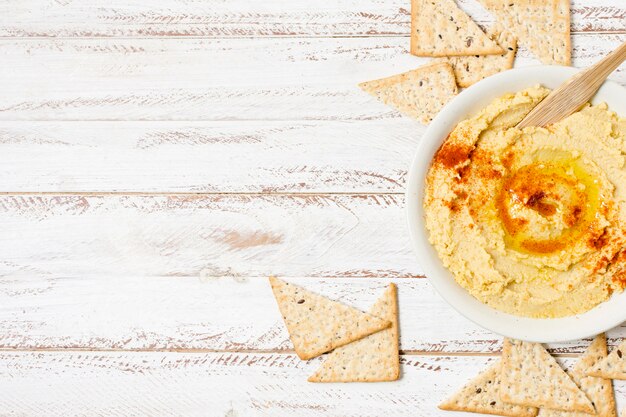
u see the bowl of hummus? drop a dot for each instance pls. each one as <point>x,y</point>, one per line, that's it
<point>523,231</point>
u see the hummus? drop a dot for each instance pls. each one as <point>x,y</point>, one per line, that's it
<point>532,222</point>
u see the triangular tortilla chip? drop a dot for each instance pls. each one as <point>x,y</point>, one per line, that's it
<point>531,377</point>
<point>419,93</point>
<point>440,28</point>
<point>316,324</point>
<point>540,25</point>
<point>598,390</point>
<point>595,353</point>
<point>374,358</point>
<point>613,366</point>
<point>482,395</point>
<point>471,69</point>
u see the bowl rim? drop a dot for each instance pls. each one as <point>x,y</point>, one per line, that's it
<point>597,320</point>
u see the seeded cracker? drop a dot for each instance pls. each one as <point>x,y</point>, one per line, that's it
<point>419,93</point>
<point>317,324</point>
<point>471,69</point>
<point>440,28</point>
<point>614,366</point>
<point>598,390</point>
<point>374,358</point>
<point>481,395</point>
<point>531,377</point>
<point>540,25</point>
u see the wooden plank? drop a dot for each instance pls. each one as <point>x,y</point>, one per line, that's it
<point>243,18</point>
<point>221,384</point>
<point>215,235</point>
<point>274,156</point>
<point>43,311</point>
<point>113,272</point>
<point>215,79</point>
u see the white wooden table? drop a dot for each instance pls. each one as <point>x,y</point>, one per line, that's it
<point>158,160</point>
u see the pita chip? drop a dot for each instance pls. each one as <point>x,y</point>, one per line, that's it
<point>531,377</point>
<point>317,324</point>
<point>471,69</point>
<point>481,395</point>
<point>374,358</point>
<point>598,390</point>
<point>440,28</point>
<point>613,366</point>
<point>542,26</point>
<point>419,93</point>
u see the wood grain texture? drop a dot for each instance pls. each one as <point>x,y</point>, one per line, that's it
<point>274,156</point>
<point>183,18</point>
<point>216,79</point>
<point>214,235</point>
<point>222,384</point>
<point>211,313</point>
<point>137,304</point>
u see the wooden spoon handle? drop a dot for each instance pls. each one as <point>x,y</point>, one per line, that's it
<point>575,92</point>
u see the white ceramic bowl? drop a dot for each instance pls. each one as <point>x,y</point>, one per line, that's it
<point>599,319</point>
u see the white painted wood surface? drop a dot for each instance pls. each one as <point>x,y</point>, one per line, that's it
<point>249,18</point>
<point>240,79</point>
<point>222,384</point>
<point>211,234</point>
<point>205,312</point>
<point>159,159</point>
<point>313,156</point>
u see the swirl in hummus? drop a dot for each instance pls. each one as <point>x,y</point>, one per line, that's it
<point>532,222</point>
